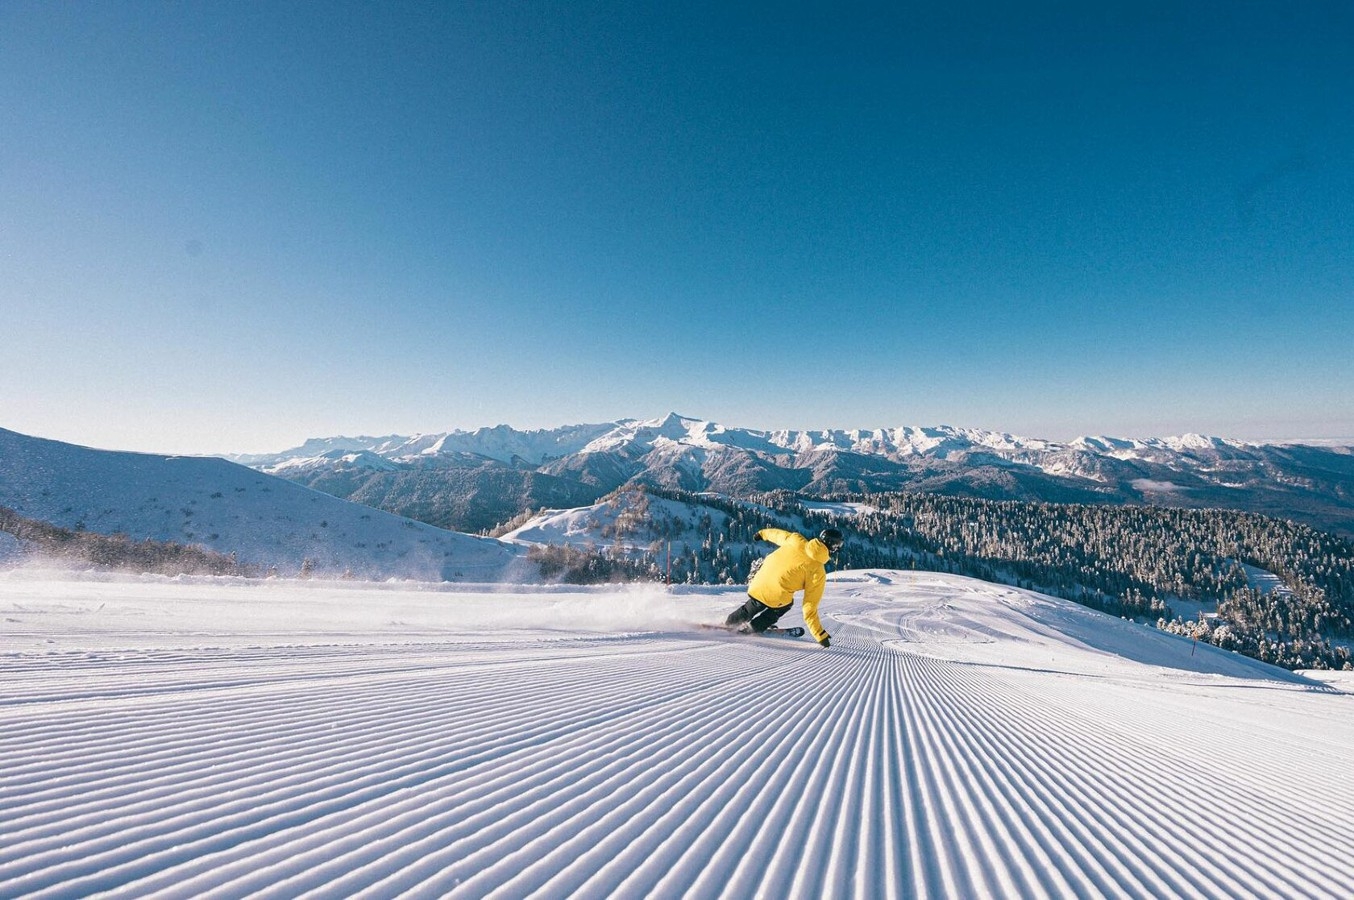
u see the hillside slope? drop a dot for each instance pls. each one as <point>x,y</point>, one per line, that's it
<point>959,739</point>
<point>266,521</point>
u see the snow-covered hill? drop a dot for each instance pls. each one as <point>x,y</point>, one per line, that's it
<point>959,739</point>
<point>627,522</point>
<point>267,521</point>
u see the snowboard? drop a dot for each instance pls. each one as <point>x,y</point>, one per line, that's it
<point>774,631</point>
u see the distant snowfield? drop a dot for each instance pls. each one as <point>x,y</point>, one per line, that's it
<point>191,738</point>
<point>839,509</point>
<point>594,525</point>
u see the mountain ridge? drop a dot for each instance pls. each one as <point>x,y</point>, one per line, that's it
<point>1312,484</point>
<point>503,442</point>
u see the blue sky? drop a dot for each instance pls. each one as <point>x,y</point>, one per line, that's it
<point>231,226</point>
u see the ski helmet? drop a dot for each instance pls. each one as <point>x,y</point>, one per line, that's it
<point>832,539</point>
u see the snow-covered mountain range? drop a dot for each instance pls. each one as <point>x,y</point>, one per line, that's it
<point>268,522</point>
<point>471,481</point>
<point>507,471</point>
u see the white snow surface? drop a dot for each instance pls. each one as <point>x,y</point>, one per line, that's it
<point>844,510</point>
<point>223,738</point>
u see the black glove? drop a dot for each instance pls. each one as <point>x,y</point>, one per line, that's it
<point>825,641</point>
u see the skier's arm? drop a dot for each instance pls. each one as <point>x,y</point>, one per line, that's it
<point>776,536</point>
<point>813,592</point>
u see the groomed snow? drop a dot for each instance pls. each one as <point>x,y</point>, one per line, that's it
<point>199,738</point>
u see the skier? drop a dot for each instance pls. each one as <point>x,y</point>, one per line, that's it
<point>795,565</point>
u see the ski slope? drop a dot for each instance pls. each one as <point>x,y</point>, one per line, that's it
<point>217,738</point>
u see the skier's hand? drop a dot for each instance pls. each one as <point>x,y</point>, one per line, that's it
<point>825,641</point>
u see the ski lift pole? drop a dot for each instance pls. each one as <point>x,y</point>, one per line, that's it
<point>669,567</point>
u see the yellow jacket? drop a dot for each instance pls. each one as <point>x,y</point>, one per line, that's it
<point>797,564</point>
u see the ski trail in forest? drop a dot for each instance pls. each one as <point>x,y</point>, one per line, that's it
<point>956,741</point>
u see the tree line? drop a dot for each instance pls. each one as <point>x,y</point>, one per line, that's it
<point>116,552</point>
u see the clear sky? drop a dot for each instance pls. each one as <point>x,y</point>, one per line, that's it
<point>232,226</point>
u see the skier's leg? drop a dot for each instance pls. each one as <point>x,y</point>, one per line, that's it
<point>743,613</point>
<point>767,616</point>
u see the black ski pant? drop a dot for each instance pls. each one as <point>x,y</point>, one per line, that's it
<point>757,614</point>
